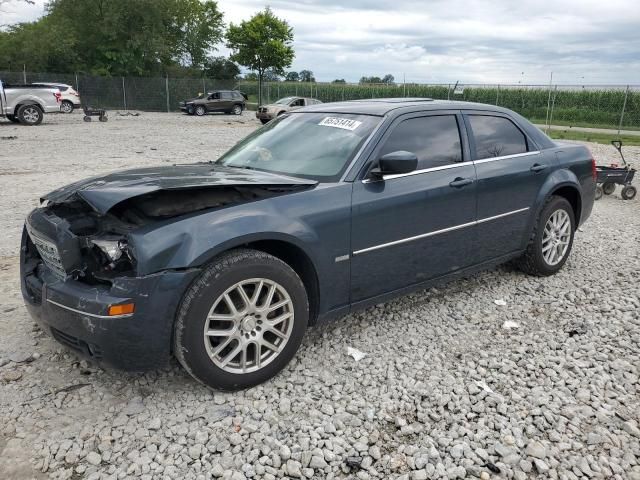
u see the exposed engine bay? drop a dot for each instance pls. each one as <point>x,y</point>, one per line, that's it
<point>74,240</point>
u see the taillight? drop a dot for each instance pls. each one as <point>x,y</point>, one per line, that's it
<point>594,172</point>
<point>58,96</point>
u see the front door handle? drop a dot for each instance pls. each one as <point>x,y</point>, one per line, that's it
<point>460,182</point>
<point>536,167</point>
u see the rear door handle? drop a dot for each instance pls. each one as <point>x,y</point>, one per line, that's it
<point>460,182</point>
<point>536,167</point>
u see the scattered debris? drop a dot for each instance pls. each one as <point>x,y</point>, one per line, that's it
<point>500,302</point>
<point>484,387</point>
<point>9,137</point>
<point>492,467</point>
<point>356,354</point>
<point>509,324</point>
<point>71,388</point>
<point>353,462</point>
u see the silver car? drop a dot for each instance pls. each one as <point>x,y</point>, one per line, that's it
<point>264,113</point>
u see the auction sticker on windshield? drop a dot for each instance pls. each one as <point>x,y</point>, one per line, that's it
<point>344,123</point>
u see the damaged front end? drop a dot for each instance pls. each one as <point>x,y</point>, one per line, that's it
<point>81,272</point>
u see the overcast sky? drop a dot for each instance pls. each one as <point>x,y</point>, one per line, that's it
<point>473,41</point>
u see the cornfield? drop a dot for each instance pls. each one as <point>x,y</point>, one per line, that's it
<point>600,107</point>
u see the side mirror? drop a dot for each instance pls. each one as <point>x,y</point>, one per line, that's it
<point>395,163</point>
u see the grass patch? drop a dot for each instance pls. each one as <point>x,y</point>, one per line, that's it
<point>604,138</point>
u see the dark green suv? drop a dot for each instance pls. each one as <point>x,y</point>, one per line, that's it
<point>227,101</point>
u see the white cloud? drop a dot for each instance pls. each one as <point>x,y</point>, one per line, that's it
<point>581,41</point>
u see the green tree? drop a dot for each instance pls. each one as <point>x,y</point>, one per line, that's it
<point>307,76</point>
<point>262,43</point>
<point>222,68</point>
<point>115,37</point>
<point>370,80</point>
<point>292,77</point>
<point>339,80</point>
<point>388,79</point>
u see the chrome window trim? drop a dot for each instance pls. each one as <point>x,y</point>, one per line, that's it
<point>437,232</point>
<point>94,315</point>
<point>453,165</point>
<point>504,157</point>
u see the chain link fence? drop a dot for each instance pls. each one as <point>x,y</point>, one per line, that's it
<point>151,94</point>
<point>610,107</point>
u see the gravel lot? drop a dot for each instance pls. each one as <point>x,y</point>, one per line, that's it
<point>444,391</point>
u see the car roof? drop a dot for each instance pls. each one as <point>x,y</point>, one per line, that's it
<point>383,106</point>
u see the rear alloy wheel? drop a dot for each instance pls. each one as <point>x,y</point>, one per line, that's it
<point>30,115</point>
<point>242,321</point>
<point>237,110</point>
<point>66,106</point>
<point>629,192</point>
<point>200,110</point>
<point>551,244</point>
<point>608,188</point>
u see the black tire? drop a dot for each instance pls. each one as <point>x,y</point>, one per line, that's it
<point>599,192</point>
<point>200,110</point>
<point>264,121</point>
<point>66,106</point>
<point>608,188</point>
<point>628,192</point>
<point>221,275</point>
<point>190,110</point>
<point>86,118</point>
<point>103,118</point>
<point>30,115</point>
<point>532,261</point>
<point>237,109</point>
<point>13,119</point>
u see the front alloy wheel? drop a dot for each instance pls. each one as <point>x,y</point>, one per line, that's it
<point>242,321</point>
<point>200,110</point>
<point>237,110</point>
<point>248,325</point>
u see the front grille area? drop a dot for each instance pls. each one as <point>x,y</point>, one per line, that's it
<point>262,110</point>
<point>49,254</point>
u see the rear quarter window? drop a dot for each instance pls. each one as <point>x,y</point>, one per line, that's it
<point>496,136</point>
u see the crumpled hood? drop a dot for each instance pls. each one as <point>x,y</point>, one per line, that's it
<point>104,192</point>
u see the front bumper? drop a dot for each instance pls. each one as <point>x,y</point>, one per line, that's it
<point>75,313</point>
<point>264,115</point>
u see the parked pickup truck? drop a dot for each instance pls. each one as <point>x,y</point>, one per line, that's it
<point>27,104</point>
<point>326,209</point>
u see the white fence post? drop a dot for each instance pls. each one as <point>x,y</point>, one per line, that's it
<point>124,95</point>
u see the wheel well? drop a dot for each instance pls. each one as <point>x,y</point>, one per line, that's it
<point>573,197</point>
<point>298,260</point>
<point>36,104</point>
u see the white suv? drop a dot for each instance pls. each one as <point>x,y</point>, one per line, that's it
<point>70,98</point>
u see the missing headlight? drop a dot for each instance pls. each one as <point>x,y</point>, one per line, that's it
<point>113,249</point>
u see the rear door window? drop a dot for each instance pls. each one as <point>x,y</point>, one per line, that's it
<point>434,139</point>
<point>496,136</point>
<point>226,95</point>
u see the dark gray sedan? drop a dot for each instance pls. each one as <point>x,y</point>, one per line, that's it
<point>325,210</point>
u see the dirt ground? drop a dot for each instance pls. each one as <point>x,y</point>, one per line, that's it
<point>36,408</point>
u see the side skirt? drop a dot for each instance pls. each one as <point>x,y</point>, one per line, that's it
<point>443,279</point>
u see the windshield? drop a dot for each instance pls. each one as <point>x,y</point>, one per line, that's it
<point>284,101</point>
<point>318,146</point>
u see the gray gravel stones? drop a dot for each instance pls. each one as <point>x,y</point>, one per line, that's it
<point>443,392</point>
